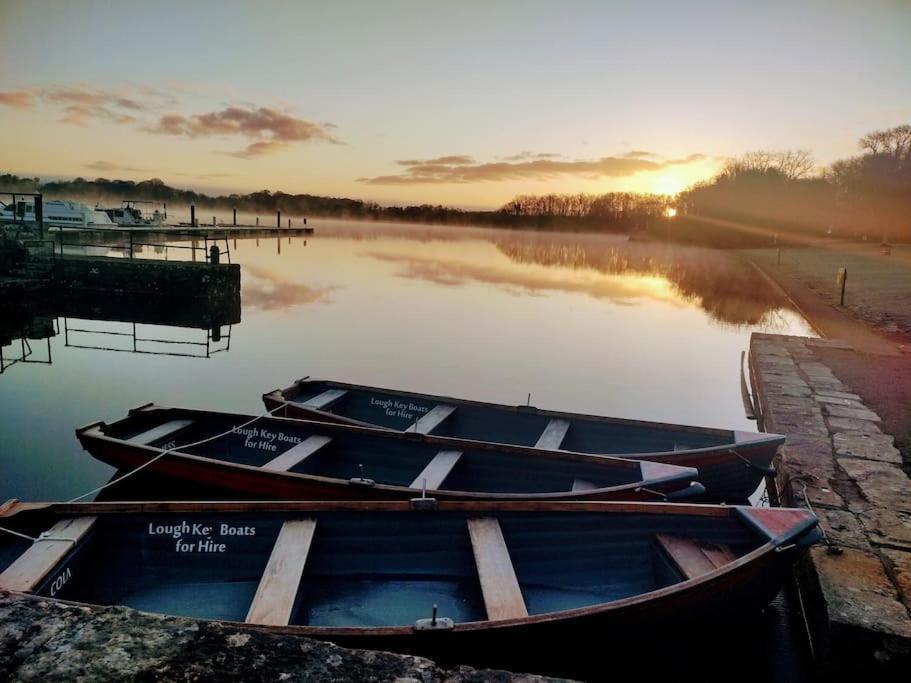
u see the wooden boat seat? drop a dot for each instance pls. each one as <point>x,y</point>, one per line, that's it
<point>583,485</point>
<point>437,470</point>
<point>432,420</point>
<point>552,436</point>
<point>297,454</point>
<point>499,585</point>
<point>694,558</point>
<point>44,554</point>
<point>161,431</point>
<point>274,599</point>
<point>325,399</point>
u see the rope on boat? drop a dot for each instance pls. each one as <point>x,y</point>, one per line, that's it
<point>767,471</point>
<point>166,451</point>
<point>831,548</point>
<point>44,536</point>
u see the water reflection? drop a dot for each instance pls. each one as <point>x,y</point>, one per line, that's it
<point>269,289</point>
<point>150,324</point>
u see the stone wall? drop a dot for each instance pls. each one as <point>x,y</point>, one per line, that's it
<point>43,640</point>
<point>838,461</point>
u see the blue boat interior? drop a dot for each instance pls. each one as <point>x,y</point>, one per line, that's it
<point>386,459</point>
<point>504,424</point>
<point>375,569</point>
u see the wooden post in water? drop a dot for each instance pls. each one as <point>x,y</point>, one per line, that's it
<point>278,218</point>
<point>841,279</point>
<point>235,215</point>
<point>289,222</point>
<point>257,221</point>
<point>193,215</point>
<point>213,221</point>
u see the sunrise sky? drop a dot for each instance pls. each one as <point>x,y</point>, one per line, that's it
<point>465,104</point>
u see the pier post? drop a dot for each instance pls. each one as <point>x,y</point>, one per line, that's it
<point>841,279</point>
<point>289,222</point>
<point>235,215</point>
<point>213,221</point>
<point>278,218</point>
<point>193,215</point>
<point>214,256</point>
<point>39,215</point>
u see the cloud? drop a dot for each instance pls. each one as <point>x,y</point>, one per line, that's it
<point>17,99</point>
<point>275,129</point>
<point>534,167</point>
<point>638,153</point>
<point>109,167</point>
<point>258,149</point>
<point>522,156</point>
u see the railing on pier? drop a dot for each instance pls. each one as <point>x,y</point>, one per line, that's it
<point>26,353</point>
<point>140,344</point>
<point>133,249</point>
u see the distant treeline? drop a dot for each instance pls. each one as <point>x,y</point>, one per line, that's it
<point>612,212</point>
<point>868,195</point>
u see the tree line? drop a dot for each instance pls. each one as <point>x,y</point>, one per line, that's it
<point>864,196</point>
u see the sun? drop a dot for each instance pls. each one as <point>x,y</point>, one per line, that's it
<point>670,212</point>
<point>668,183</point>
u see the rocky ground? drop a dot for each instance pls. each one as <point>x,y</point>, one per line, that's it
<point>43,640</point>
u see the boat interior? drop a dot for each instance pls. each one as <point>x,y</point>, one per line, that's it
<point>341,453</point>
<point>522,426</point>
<point>367,569</point>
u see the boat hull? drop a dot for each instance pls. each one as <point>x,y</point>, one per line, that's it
<point>730,472</point>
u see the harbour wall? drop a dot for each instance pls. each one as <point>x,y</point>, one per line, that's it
<point>839,462</point>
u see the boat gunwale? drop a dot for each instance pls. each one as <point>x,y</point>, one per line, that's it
<point>296,388</point>
<point>771,546</point>
<point>759,440</point>
<point>686,476</point>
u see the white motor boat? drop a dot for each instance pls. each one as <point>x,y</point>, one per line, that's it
<point>59,213</point>
<point>129,215</point>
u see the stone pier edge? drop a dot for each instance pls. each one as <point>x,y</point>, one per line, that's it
<point>838,462</point>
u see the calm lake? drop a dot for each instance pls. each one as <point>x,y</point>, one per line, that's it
<point>582,323</point>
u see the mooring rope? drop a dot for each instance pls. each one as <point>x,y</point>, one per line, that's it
<point>802,480</point>
<point>166,451</point>
<point>46,537</point>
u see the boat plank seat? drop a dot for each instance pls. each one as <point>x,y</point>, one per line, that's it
<point>437,470</point>
<point>161,431</point>
<point>274,599</point>
<point>552,436</point>
<point>44,554</point>
<point>433,419</point>
<point>695,558</point>
<point>499,585</point>
<point>325,399</point>
<point>583,485</point>
<point>297,453</point>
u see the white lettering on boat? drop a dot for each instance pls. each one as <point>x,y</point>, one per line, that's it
<point>61,580</point>
<point>265,440</point>
<point>394,408</point>
<point>208,542</point>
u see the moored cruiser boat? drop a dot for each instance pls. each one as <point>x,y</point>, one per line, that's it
<point>521,585</point>
<point>129,215</point>
<point>298,460</point>
<point>58,213</point>
<point>731,463</point>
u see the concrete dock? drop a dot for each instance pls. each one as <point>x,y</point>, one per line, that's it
<point>839,461</point>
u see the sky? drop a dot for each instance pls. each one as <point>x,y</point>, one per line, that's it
<point>463,103</point>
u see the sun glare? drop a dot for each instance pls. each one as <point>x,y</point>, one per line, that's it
<point>670,212</point>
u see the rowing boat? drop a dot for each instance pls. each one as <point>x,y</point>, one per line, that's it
<point>298,460</point>
<point>731,463</point>
<point>525,585</point>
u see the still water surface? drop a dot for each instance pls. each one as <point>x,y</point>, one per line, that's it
<point>582,323</point>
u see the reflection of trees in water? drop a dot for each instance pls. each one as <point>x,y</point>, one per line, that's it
<point>728,289</point>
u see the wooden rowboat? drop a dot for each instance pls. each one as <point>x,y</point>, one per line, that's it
<point>731,463</point>
<point>522,585</point>
<point>297,460</point>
